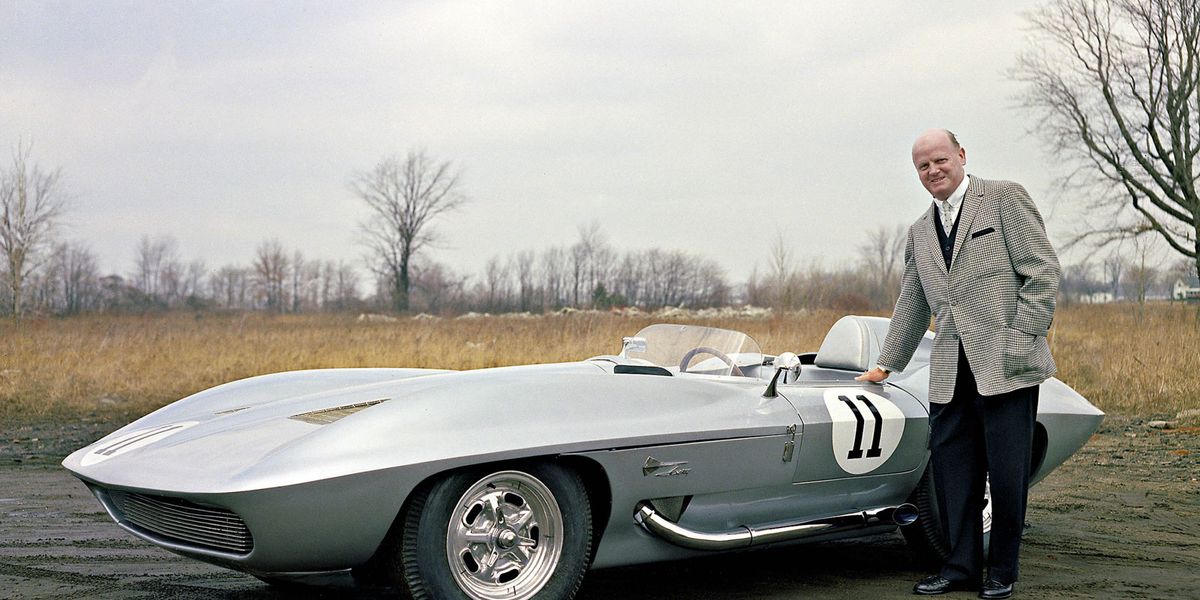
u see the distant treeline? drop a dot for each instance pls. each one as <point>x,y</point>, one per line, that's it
<point>42,274</point>
<point>587,274</point>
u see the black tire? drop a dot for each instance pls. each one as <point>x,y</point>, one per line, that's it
<point>480,534</point>
<point>925,538</point>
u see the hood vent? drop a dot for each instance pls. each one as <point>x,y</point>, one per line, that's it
<point>326,416</point>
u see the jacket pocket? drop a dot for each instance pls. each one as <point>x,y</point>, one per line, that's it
<point>983,232</point>
<point>1019,353</point>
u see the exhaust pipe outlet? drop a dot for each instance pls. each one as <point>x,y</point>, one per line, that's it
<point>905,514</point>
<point>744,537</point>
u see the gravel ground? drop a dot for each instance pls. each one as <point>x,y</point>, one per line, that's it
<point>1119,520</point>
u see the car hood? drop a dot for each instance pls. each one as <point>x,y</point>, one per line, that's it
<point>290,428</point>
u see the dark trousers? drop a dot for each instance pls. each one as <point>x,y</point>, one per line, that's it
<point>973,437</point>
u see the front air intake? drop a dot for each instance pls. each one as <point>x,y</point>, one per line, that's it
<point>182,522</point>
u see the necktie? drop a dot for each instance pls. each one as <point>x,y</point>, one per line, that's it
<point>947,216</point>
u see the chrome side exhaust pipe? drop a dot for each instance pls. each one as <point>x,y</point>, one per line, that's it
<point>744,537</point>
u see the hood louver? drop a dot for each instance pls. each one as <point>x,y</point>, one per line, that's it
<point>326,416</point>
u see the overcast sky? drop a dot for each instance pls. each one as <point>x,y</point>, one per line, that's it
<point>706,127</point>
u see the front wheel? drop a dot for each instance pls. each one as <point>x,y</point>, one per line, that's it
<point>487,534</point>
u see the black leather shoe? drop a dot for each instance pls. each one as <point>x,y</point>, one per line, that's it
<point>994,590</point>
<point>936,584</point>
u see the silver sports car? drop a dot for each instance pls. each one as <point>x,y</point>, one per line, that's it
<point>512,482</point>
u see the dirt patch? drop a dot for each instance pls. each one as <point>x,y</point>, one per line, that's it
<point>1118,520</point>
<point>47,443</point>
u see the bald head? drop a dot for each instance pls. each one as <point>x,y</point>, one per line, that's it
<point>934,135</point>
<point>940,162</point>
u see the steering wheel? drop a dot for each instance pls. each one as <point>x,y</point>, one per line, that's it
<point>687,358</point>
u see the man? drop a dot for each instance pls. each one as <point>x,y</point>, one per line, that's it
<point>978,261</point>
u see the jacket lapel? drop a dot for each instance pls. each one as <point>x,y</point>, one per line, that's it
<point>970,207</point>
<point>931,238</point>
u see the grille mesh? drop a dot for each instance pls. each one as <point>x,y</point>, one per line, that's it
<point>184,522</point>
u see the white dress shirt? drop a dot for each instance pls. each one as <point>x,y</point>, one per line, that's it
<point>948,208</point>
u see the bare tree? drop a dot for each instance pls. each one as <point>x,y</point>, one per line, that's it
<point>578,256</point>
<point>554,276</point>
<point>297,280</point>
<point>345,286</point>
<point>327,274</point>
<point>650,279</point>
<point>1078,283</point>
<point>882,256</point>
<point>671,275</point>
<point>670,278</point>
<point>522,266</point>
<point>156,267</point>
<point>192,284</point>
<point>312,286</point>
<point>76,269</point>
<point>783,274</point>
<point>757,292</point>
<point>591,260</point>
<point>270,269</point>
<point>332,285</point>
<point>229,286</point>
<point>437,288</point>
<point>405,196</point>
<point>1114,269</point>
<point>31,202</point>
<point>1182,270</point>
<point>709,287</point>
<point>629,278</point>
<point>1142,272</point>
<point>496,286</point>
<point>1117,85</point>
<point>173,283</point>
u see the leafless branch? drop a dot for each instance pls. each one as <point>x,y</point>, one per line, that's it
<point>405,196</point>
<point>32,201</point>
<point>1115,86</point>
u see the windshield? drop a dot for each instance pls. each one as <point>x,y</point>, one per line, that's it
<point>694,349</point>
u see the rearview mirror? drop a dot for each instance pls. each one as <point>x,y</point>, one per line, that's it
<point>787,362</point>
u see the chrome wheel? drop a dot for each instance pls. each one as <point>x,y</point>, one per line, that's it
<point>505,537</point>
<point>519,532</point>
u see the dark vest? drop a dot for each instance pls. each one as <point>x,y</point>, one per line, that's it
<point>946,242</point>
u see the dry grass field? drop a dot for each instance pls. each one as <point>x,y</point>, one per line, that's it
<point>1126,360</point>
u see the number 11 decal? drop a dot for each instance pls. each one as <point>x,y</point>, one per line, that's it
<point>858,431</point>
<point>866,428</point>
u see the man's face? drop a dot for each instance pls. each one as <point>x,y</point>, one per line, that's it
<point>939,164</point>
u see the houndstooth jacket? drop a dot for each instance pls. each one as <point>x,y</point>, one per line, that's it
<point>997,297</point>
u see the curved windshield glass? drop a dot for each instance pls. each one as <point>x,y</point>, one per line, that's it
<point>694,349</point>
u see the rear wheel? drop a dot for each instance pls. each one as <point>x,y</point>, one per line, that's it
<point>925,537</point>
<point>491,534</point>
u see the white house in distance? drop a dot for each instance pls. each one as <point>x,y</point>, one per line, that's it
<point>1183,292</point>
<point>1097,298</point>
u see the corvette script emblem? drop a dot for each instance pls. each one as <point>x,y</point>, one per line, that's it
<point>658,468</point>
